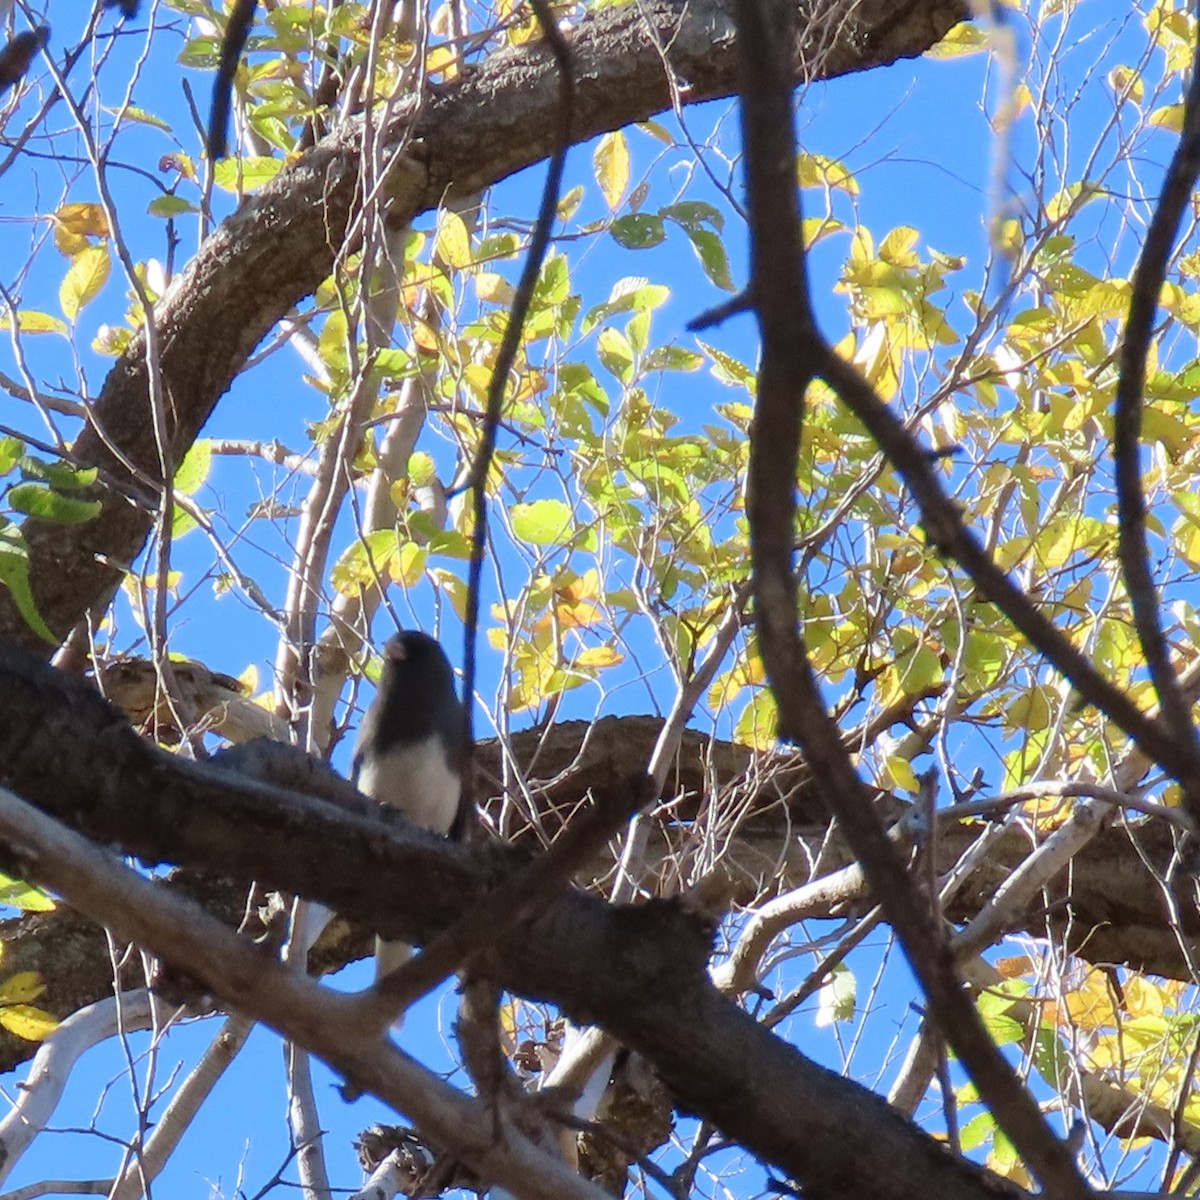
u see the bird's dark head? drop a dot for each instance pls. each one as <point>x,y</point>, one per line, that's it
<point>411,657</point>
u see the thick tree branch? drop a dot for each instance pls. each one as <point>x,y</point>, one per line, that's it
<point>254,983</point>
<point>638,972</point>
<point>790,358</point>
<point>280,245</point>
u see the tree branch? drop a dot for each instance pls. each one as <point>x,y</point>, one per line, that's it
<point>1127,426</point>
<point>635,971</point>
<point>790,359</point>
<point>277,248</point>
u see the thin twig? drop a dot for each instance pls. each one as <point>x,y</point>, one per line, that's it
<point>95,881</point>
<point>791,356</point>
<point>236,31</point>
<point>507,353</point>
<point>1133,549</point>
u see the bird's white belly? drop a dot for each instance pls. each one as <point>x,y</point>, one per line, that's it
<point>418,781</point>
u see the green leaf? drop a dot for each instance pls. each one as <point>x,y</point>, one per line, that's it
<point>554,283</point>
<point>60,475</point>
<point>87,274</point>
<point>193,471</point>
<point>201,53</point>
<point>366,563</point>
<point>695,214</point>
<point>570,202</point>
<point>673,358</point>
<point>542,523</point>
<point>631,294</point>
<point>11,450</point>
<point>37,500</point>
<point>182,522</point>
<point>18,894</point>
<point>240,175</point>
<point>14,575</point>
<point>838,997</point>
<point>759,722</point>
<point>728,370</point>
<point>616,353</point>
<point>713,258</point>
<point>131,112</point>
<point>977,1131</point>
<point>638,231</point>
<point>170,206</point>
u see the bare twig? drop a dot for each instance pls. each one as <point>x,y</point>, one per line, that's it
<point>96,882</point>
<point>791,356</point>
<point>179,1114</point>
<point>241,17</point>
<point>1127,425</point>
<point>509,342</point>
<point>54,1061</point>
<point>517,899</point>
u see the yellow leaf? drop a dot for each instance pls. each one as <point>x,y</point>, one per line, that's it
<point>76,224</point>
<point>965,38</point>
<point>1091,1005</point>
<point>34,322</point>
<point>1170,117</point>
<point>442,60</point>
<point>407,566</point>
<point>578,615</point>
<point>21,988</point>
<point>1007,237</point>
<point>1128,82</point>
<point>1143,997</point>
<point>86,275</point>
<point>493,288</point>
<point>600,656</point>
<point>759,721</point>
<point>452,245</point>
<point>900,771</point>
<point>246,174</point>
<point>817,170</point>
<point>611,162</point>
<point>32,1024</point>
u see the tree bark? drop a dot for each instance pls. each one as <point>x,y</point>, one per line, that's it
<point>639,972</point>
<point>274,252</point>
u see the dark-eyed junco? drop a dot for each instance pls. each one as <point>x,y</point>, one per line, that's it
<point>409,750</point>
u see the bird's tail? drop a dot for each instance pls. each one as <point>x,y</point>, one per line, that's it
<point>389,956</point>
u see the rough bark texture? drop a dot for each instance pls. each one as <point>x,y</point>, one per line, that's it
<point>282,243</point>
<point>638,972</point>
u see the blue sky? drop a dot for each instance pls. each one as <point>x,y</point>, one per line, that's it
<point>902,104</point>
<point>917,139</point>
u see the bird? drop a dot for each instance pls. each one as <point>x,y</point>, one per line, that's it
<point>409,751</point>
